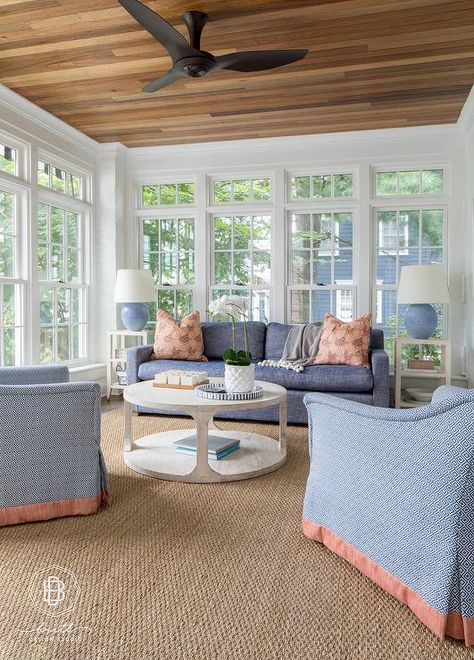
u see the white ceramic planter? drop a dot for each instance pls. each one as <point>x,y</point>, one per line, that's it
<point>239,379</point>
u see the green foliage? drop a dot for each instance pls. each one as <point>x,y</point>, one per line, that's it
<point>242,190</point>
<point>237,358</point>
<point>322,185</point>
<point>409,182</point>
<point>169,194</point>
<point>7,159</point>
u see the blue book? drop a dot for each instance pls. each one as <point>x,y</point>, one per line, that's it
<point>213,457</point>
<point>215,443</point>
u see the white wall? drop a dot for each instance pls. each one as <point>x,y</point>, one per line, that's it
<point>426,146</point>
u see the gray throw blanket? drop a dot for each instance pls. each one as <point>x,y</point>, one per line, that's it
<point>300,347</point>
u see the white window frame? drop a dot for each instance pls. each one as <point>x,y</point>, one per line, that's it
<point>406,203</point>
<point>66,203</point>
<point>232,211</point>
<point>238,175</point>
<point>421,197</point>
<point>11,185</point>
<point>325,171</point>
<point>157,181</point>
<point>163,213</point>
<point>70,168</point>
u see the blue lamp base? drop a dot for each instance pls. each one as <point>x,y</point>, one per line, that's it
<point>421,320</point>
<point>134,316</point>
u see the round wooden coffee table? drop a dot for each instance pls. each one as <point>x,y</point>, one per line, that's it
<point>156,456</point>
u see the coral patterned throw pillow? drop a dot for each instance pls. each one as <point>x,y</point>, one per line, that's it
<point>344,343</point>
<point>178,341</point>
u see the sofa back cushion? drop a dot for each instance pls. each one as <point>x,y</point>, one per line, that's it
<point>344,343</point>
<point>218,336</point>
<point>178,341</point>
<point>278,332</point>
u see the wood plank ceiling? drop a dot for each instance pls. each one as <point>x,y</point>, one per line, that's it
<point>372,64</point>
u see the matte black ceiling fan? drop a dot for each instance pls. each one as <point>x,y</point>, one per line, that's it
<point>189,59</point>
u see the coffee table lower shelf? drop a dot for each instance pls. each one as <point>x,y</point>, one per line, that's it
<point>156,456</point>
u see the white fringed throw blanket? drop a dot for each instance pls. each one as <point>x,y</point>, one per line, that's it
<point>300,348</point>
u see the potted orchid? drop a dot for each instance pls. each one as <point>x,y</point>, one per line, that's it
<point>239,370</point>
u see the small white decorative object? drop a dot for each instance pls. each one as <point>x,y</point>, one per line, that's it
<point>239,378</point>
<point>282,364</point>
<point>180,378</point>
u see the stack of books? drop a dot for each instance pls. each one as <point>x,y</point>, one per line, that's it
<point>218,447</point>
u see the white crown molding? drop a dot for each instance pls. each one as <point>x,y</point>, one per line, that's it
<point>290,142</point>
<point>18,104</point>
<point>111,148</point>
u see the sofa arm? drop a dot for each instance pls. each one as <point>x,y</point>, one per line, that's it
<point>135,357</point>
<point>380,373</point>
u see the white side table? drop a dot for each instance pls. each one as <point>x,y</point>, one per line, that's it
<point>444,375</point>
<point>117,354</point>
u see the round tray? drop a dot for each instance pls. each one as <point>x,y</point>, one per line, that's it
<point>217,392</point>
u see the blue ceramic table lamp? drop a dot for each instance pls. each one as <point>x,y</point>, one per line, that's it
<point>419,287</point>
<point>134,288</point>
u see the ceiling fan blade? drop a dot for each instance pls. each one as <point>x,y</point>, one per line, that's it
<point>171,39</point>
<point>172,76</point>
<point>258,60</point>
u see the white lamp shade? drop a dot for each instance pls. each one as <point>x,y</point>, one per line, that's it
<point>423,284</point>
<point>134,286</point>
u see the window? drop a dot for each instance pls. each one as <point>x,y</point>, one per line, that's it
<point>321,186</point>
<point>62,284</point>
<point>241,248</point>
<point>60,180</point>
<point>168,194</point>
<point>168,251</point>
<point>404,237</point>
<point>409,182</point>
<point>231,191</point>
<point>10,287</point>
<point>8,160</point>
<point>321,277</point>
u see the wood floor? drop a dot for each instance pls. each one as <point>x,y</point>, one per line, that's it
<point>372,64</point>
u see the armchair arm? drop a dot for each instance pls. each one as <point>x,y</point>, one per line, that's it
<point>330,415</point>
<point>380,373</point>
<point>135,357</point>
<point>38,374</point>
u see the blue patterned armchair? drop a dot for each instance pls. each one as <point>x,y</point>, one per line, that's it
<point>51,464</point>
<point>392,492</point>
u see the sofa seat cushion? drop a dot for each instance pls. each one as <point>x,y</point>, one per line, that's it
<point>147,370</point>
<point>320,378</point>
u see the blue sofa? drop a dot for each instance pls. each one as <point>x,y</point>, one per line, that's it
<point>360,384</point>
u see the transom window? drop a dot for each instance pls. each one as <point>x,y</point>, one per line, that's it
<point>169,194</point>
<point>409,182</point>
<point>229,191</point>
<point>58,179</point>
<point>168,248</point>
<point>321,276</point>
<point>241,248</point>
<point>405,237</point>
<point>321,186</point>
<point>62,284</point>
<point>8,159</point>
